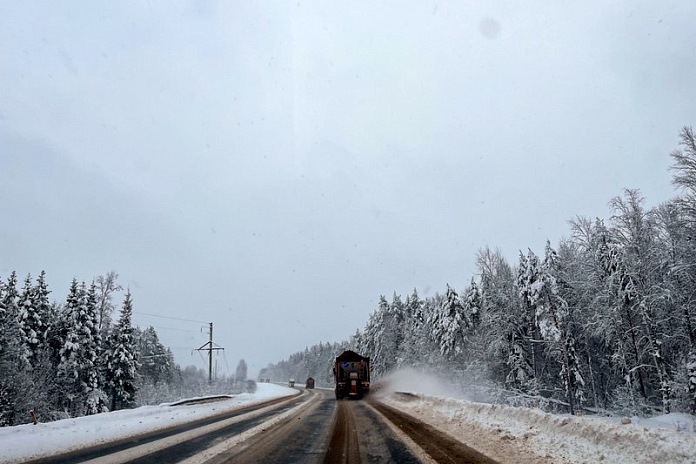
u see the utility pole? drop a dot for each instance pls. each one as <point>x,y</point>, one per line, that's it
<point>210,346</point>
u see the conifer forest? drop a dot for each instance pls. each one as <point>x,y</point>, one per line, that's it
<point>71,359</point>
<point>601,322</point>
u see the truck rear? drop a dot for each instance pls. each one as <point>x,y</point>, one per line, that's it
<point>352,375</point>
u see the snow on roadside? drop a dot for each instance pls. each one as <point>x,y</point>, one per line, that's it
<point>523,435</point>
<point>27,442</point>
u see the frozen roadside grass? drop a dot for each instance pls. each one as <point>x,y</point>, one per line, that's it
<point>525,435</point>
<point>27,442</point>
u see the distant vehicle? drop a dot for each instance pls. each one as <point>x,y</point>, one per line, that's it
<point>352,375</point>
<point>291,382</point>
<point>309,383</point>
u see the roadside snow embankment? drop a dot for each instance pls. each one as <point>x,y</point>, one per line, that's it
<point>26,442</point>
<point>513,434</point>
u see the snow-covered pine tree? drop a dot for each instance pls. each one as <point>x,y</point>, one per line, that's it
<point>505,328</point>
<point>5,400</point>
<point>174,372</point>
<point>31,325</point>
<point>10,350</point>
<point>432,310</point>
<point>450,325</point>
<point>475,357</point>
<point>69,367</point>
<point>519,368</point>
<point>42,305</point>
<point>312,361</point>
<point>527,280</point>
<point>364,342</point>
<point>96,399</point>
<point>79,365</point>
<point>240,374</point>
<point>414,346</point>
<point>122,363</point>
<point>155,365</point>
<point>372,341</point>
<point>395,331</point>
<point>9,323</point>
<point>552,314</point>
<point>472,304</point>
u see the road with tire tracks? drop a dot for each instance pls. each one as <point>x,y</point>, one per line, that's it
<point>310,428</point>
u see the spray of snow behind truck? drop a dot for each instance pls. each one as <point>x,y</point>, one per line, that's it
<point>352,375</point>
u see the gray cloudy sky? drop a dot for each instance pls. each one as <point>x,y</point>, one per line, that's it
<point>274,167</point>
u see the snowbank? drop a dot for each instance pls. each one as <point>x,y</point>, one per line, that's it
<point>25,442</point>
<point>523,435</point>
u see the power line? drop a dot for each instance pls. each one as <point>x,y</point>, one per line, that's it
<point>174,328</point>
<point>171,317</point>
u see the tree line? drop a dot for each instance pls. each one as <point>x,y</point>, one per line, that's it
<point>64,360</point>
<point>69,359</point>
<point>602,321</point>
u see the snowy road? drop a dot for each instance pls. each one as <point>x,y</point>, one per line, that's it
<point>281,425</point>
<point>326,431</point>
<point>309,428</point>
<point>177,443</point>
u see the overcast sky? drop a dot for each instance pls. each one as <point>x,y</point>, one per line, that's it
<point>273,167</point>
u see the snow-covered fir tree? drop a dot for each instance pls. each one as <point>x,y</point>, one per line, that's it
<point>528,274</point>
<point>156,364</point>
<point>240,374</point>
<point>413,350</point>
<point>52,359</point>
<point>42,306</point>
<point>553,316</point>
<point>122,363</point>
<point>9,322</point>
<point>395,333</point>
<point>70,366</point>
<point>450,323</point>
<point>373,339</point>
<point>472,304</point>
<point>31,324</point>
<point>92,350</point>
<point>10,350</point>
<point>80,354</point>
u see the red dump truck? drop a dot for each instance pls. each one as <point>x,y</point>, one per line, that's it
<point>352,375</point>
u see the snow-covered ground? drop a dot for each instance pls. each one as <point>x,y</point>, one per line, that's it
<point>519,435</point>
<point>514,435</point>
<point>25,442</point>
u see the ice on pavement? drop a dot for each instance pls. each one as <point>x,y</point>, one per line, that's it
<point>25,442</point>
